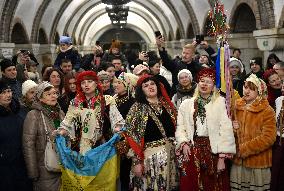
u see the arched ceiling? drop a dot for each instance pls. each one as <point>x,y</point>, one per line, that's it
<point>85,20</point>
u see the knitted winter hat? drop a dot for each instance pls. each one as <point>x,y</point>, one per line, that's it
<point>256,60</point>
<point>3,86</point>
<point>236,62</point>
<point>65,40</point>
<point>41,87</point>
<point>27,85</point>
<point>185,71</point>
<point>5,63</point>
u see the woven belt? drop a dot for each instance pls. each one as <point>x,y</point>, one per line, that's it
<point>159,142</point>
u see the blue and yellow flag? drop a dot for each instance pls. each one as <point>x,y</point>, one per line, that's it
<point>97,170</point>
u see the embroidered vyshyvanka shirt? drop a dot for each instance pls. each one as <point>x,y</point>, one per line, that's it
<point>90,120</point>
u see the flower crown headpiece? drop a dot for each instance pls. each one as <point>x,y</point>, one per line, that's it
<point>207,72</point>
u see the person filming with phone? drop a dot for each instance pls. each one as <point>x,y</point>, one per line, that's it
<point>203,48</point>
<point>176,65</point>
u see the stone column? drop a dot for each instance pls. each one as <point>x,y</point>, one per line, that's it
<point>270,40</point>
<point>7,50</point>
<point>176,48</point>
<point>46,54</point>
<point>184,42</point>
<point>248,46</point>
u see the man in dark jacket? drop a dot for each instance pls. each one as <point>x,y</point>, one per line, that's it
<point>9,76</point>
<point>13,173</point>
<point>174,66</point>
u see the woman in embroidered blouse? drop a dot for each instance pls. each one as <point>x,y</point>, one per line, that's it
<point>91,117</point>
<point>204,138</point>
<point>151,126</point>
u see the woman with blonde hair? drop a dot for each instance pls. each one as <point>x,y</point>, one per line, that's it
<point>204,137</point>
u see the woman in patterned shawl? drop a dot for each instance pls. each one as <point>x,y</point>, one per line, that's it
<point>151,125</point>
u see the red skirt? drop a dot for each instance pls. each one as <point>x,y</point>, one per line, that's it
<point>200,172</point>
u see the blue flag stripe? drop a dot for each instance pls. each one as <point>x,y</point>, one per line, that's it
<point>89,164</point>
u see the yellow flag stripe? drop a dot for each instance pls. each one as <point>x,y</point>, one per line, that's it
<point>104,181</point>
<point>222,68</point>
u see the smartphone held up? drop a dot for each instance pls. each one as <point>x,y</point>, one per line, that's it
<point>158,34</point>
<point>199,38</point>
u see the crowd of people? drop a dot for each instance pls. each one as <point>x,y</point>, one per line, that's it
<point>173,118</point>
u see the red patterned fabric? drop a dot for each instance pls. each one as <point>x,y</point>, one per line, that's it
<point>201,170</point>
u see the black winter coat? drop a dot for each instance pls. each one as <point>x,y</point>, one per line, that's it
<point>13,172</point>
<point>70,54</point>
<point>176,65</point>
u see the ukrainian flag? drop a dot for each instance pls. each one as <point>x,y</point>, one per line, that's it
<point>97,170</point>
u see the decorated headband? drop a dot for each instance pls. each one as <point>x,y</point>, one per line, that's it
<point>207,72</point>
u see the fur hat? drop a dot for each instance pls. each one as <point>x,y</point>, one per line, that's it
<point>65,40</point>
<point>5,63</point>
<point>259,83</point>
<point>27,85</point>
<point>140,68</point>
<point>41,87</point>
<point>185,71</point>
<point>3,86</point>
<point>115,44</point>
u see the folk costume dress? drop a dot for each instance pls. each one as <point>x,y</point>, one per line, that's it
<point>151,137</point>
<point>91,122</point>
<point>203,124</point>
